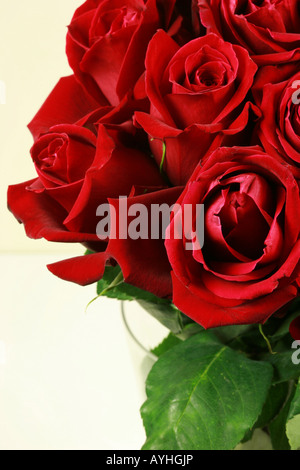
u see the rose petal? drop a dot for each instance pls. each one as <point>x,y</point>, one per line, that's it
<point>295,328</point>
<point>82,270</point>
<point>42,216</point>
<point>67,103</point>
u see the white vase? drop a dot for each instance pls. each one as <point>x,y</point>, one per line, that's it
<point>144,333</point>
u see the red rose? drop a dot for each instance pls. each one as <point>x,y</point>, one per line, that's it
<point>78,169</point>
<point>62,157</point>
<point>278,91</point>
<point>77,172</point>
<point>107,43</point>
<point>198,97</point>
<point>268,29</point>
<point>295,329</point>
<point>249,265</point>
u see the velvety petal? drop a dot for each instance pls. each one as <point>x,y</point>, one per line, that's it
<point>242,83</point>
<point>168,8</point>
<point>114,171</point>
<point>278,58</point>
<point>194,142</point>
<point>249,291</point>
<point>278,129</point>
<point>67,103</point>
<point>267,18</point>
<point>160,51</point>
<point>154,127</point>
<point>103,62</point>
<point>133,64</point>
<point>82,270</point>
<point>77,44</point>
<point>238,127</point>
<point>134,255</point>
<point>211,314</point>
<point>64,154</point>
<point>65,195</point>
<point>42,216</point>
<point>295,328</point>
<point>270,35</point>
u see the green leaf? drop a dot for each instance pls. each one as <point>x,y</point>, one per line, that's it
<point>293,432</point>
<point>275,401</point>
<point>277,428</point>
<point>250,341</point>
<point>189,330</point>
<point>89,252</point>
<point>168,343</point>
<point>124,291</point>
<point>165,313</point>
<point>293,421</point>
<point>285,429</point>
<point>283,330</point>
<point>229,333</point>
<point>284,369</point>
<point>202,395</point>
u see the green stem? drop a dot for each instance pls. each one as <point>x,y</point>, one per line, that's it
<point>163,157</point>
<point>266,340</point>
<point>115,283</point>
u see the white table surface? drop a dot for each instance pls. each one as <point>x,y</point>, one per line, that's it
<point>68,379</point>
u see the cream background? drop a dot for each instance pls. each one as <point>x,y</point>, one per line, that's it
<point>32,59</point>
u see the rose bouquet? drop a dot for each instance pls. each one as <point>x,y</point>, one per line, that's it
<point>173,155</point>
